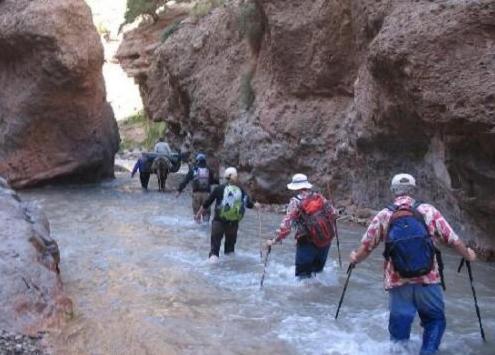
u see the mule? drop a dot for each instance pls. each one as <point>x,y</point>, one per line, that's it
<point>161,167</point>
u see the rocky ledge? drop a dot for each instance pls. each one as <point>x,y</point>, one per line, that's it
<point>34,300</point>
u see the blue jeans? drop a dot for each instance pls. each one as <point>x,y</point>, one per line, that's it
<point>427,300</point>
<point>310,259</point>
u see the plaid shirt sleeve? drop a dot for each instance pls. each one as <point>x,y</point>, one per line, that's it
<point>376,230</point>
<point>290,217</point>
<point>438,225</point>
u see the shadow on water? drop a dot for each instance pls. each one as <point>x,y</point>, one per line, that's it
<point>135,265</point>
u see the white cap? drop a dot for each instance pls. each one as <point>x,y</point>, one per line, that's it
<point>403,180</point>
<point>299,181</point>
<point>230,173</point>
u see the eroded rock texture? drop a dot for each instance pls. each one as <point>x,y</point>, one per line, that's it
<point>55,122</point>
<point>348,92</point>
<point>31,296</point>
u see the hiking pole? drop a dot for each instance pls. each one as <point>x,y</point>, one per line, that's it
<point>264,267</point>
<point>470,273</point>
<point>349,272</point>
<point>338,243</point>
<point>438,255</point>
<point>259,231</point>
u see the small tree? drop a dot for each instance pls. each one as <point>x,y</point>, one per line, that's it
<point>136,8</point>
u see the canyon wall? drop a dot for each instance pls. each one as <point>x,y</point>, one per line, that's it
<point>348,92</point>
<point>55,123</point>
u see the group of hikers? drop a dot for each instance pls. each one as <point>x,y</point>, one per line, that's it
<point>410,230</point>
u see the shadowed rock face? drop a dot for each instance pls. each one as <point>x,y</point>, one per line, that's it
<point>54,120</point>
<point>348,92</point>
<point>29,258</point>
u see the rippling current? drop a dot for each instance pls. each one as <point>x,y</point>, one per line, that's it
<point>135,265</point>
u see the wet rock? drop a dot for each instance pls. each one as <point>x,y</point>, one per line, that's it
<point>11,343</point>
<point>34,297</point>
<point>365,213</point>
<point>350,94</point>
<point>55,122</point>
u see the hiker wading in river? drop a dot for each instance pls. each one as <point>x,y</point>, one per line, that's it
<point>230,205</point>
<point>314,219</point>
<point>143,165</point>
<point>409,229</point>
<point>202,178</point>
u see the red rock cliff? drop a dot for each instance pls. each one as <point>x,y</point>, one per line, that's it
<point>55,122</point>
<point>348,92</point>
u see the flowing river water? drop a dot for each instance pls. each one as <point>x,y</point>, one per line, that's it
<point>135,265</point>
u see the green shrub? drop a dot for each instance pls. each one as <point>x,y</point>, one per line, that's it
<point>102,29</point>
<point>136,8</point>
<point>169,30</point>
<point>154,130</point>
<point>251,26</point>
<point>203,7</point>
<point>247,94</point>
<point>138,117</point>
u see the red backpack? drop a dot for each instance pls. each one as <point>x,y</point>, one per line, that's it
<point>317,220</point>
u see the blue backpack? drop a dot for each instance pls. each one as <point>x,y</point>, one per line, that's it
<point>408,244</point>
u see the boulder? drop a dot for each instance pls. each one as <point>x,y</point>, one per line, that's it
<point>55,123</point>
<point>29,265</point>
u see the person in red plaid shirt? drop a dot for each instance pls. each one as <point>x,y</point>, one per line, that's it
<point>310,258</point>
<point>421,294</point>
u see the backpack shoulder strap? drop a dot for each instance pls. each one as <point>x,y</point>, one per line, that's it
<point>417,214</point>
<point>392,207</point>
<point>416,204</point>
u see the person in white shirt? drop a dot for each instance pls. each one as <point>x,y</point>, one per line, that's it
<point>161,147</point>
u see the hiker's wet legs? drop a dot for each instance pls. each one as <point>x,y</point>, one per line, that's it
<point>217,231</point>
<point>309,259</point>
<point>230,237</point>
<point>320,259</point>
<point>402,312</point>
<point>144,178</point>
<point>198,198</point>
<point>429,301</point>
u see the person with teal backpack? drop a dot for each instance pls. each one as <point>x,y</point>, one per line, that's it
<point>231,202</point>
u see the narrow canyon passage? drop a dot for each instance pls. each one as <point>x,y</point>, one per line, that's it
<point>135,265</point>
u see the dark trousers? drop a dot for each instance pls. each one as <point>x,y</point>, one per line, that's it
<point>310,259</point>
<point>145,179</point>
<point>218,229</point>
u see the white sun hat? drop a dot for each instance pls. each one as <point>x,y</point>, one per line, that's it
<point>299,181</point>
